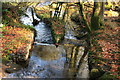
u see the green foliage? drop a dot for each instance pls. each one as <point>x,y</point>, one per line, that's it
<point>108,6</point>
<point>5,10</point>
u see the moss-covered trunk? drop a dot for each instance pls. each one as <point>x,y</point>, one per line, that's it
<point>97,15</point>
<point>102,12</point>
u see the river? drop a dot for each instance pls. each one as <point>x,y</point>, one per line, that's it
<point>49,61</point>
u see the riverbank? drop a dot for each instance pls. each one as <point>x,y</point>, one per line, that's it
<point>16,44</point>
<point>16,40</point>
<point>104,54</point>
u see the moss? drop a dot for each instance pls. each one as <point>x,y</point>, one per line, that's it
<point>107,76</point>
<point>44,15</point>
<point>58,30</point>
<point>11,16</point>
<point>6,59</point>
<point>95,23</point>
<point>95,73</point>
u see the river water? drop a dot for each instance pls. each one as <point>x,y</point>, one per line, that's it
<point>49,61</point>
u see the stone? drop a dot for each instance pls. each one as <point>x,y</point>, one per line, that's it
<point>13,68</point>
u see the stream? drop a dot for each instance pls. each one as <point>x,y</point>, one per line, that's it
<point>49,61</point>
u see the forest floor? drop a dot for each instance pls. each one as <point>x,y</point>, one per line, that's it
<point>14,41</point>
<point>105,52</point>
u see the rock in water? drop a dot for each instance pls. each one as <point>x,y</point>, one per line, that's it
<point>35,22</point>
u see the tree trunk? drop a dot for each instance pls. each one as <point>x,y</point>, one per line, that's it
<point>58,9</point>
<point>83,17</point>
<point>95,19</point>
<point>102,13</point>
<point>65,12</point>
